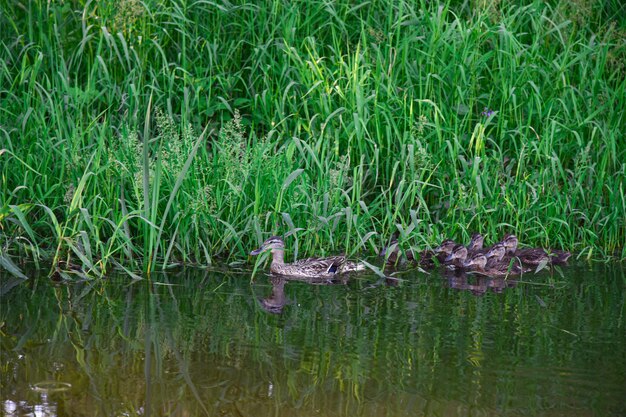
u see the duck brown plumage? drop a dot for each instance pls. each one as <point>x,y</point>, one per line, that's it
<point>327,267</point>
<point>494,262</point>
<point>457,257</point>
<point>528,256</point>
<point>476,244</point>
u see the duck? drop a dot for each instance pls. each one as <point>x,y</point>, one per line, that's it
<point>533,256</point>
<point>497,254</point>
<point>457,257</point>
<point>440,253</point>
<point>559,257</point>
<point>426,257</point>
<point>328,267</point>
<point>444,250</point>
<point>476,244</point>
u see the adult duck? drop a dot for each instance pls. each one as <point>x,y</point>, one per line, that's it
<point>307,268</point>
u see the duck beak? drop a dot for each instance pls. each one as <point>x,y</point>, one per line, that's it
<point>256,251</point>
<point>449,258</point>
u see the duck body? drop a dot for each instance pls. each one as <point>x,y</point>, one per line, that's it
<point>533,256</point>
<point>315,267</point>
<point>328,267</point>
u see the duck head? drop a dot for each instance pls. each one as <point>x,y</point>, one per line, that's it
<point>274,243</point>
<point>496,253</point>
<point>477,242</point>
<point>458,252</point>
<point>446,247</point>
<point>510,242</point>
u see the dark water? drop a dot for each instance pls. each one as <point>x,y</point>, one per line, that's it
<point>210,343</point>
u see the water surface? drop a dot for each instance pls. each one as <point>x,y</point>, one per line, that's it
<point>200,342</point>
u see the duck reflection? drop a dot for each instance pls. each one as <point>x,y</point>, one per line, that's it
<point>276,301</point>
<point>478,284</point>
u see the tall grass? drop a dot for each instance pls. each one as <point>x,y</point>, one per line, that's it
<point>334,122</point>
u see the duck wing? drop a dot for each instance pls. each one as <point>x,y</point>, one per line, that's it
<point>320,266</point>
<point>349,266</point>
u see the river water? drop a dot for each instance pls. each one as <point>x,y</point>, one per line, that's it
<point>218,343</point>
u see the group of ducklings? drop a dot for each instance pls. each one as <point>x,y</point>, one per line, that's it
<point>503,258</point>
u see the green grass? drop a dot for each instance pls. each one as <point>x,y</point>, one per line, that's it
<point>143,134</point>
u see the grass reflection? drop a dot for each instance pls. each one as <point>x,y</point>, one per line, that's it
<point>202,343</point>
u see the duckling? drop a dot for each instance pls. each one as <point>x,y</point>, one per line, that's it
<point>426,259</point>
<point>459,253</point>
<point>476,243</point>
<point>475,262</point>
<point>442,251</point>
<point>311,268</point>
<point>497,254</point>
<point>456,257</point>
<point>529,256</point>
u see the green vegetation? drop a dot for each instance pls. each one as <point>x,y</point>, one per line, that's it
<point>146,133</point>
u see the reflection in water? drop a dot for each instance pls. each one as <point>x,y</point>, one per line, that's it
<point>197,343</point>
<point>277,300</point>
<point>478,284</point>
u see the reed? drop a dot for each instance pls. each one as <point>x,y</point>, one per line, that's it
<point>336,123</point>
